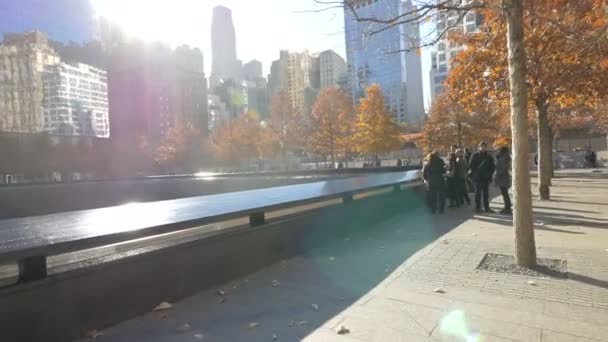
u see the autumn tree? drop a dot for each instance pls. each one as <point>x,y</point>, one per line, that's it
<point>283,133</point>
<point>449,123</point>
<point>238,140</point>
<point>330,123</point>
<point>563,67</point>
<point>374,131</point>
<point>175,149</point>
<point>512,14</point>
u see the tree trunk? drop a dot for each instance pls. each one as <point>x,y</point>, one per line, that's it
<point>545,153</point>
<point>459,125</point>
<point>525,248</point>
<point>554,156</point>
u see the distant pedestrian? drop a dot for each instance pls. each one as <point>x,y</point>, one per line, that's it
<point>452,192</point>
<point>467,155</point>
<point>434,177</point>
<point>502,179</point>
<point>590,158</point>
<point>460,177</point>
<point>469,182</point>
<point>378,162</point>
<point>481,170</point>
<point>399,162</point>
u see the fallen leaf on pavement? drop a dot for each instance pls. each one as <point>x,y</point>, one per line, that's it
<point>221,300</point>
<point>315,307</point>
<point>253,325</point>
<point>221,293</point>
<point>438,290</point>
<point>301,323</point>
<point>532,282</point>
<point>163,306</point>
<point>343,330</point>
<point>275,337</point>
<point>199,336</point>
<point>275,283</point>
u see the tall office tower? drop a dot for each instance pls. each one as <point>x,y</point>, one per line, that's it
<point>331,67</point>
<point>387,57</point>
<point>224,65</point>
<point>294,73</point>
<point>189,94</point>
<point>252,70</point>
<point>23,58</point>
<point>444,50</point>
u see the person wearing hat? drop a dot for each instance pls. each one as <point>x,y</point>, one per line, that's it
<point>481,170</point>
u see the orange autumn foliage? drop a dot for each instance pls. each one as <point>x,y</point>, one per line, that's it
<point>374,131</point>
<point>566,46</point>
<point>330,125</point>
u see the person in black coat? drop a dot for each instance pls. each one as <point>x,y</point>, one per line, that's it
<point>433,174</point>
<point>481,170</point>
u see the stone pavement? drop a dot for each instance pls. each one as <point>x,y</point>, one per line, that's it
<point>382,283</point>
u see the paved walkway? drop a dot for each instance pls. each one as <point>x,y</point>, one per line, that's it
<point>380,285</point>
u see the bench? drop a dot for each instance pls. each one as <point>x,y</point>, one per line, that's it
<point>30,241</point>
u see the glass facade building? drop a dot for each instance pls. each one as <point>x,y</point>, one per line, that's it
<point>387,56</point>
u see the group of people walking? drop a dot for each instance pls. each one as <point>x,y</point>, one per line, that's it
<point>465,172</point>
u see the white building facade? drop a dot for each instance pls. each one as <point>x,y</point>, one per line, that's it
<point>444,50</point>
<point>76,101</point>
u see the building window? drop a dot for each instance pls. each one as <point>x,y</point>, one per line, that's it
<point>443,68</point>
<point>471,17</point>
<point>471,27</point>
<point>442,57</point>
<point>441,46</point>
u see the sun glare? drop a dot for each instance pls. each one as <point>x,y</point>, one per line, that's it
<point>151,20</point>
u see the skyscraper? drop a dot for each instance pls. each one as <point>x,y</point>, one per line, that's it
<point>223,44</point>
<point>444,50</point>
<point>331,67</point>
<point>252,70</point>
<point>383,57</point>
<point>295,73</point>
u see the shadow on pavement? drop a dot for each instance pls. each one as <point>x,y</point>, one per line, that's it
<point>574,202</point>
<point>346,254</point>
<point>566,209</point>
<point>508,222</point>
<point>588,280</point>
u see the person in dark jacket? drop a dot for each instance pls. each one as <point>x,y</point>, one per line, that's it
<point>481,170</point>
<point>469,182</point>
<point>433,174</point>
<point>502,179</point>
<point>450,180</point>
<point>467,155</point>
<point>460,177</point>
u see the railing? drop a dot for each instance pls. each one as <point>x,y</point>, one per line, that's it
<point>30,241</point>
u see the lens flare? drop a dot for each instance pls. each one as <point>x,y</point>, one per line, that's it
<point>455,324</point>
